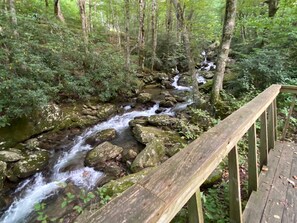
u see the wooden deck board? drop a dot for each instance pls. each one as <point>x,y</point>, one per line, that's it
<point>275,200</point>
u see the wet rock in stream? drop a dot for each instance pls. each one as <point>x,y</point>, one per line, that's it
<point>105,157</point>
<point>105,135</point>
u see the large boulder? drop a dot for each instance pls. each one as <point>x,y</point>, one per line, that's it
<point>104,111</point>
<point>9,156</point>
<point>144,97</point>
<point>116,187</point>
<point>105,158</point>
<point>105,135</point>
<point>162,120</point>
<point>29,165</point>
<point>3,167</point>
<point>138,120</point>
<point>151,156</point>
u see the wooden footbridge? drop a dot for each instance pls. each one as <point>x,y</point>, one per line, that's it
<point>273,194</point>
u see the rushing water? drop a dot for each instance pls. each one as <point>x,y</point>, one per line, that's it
<point>37,188</point>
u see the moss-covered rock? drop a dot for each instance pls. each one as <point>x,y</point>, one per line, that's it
<point>3,168</point>
<point>105,158</point>
<point>138,120</point>
<point>116,187</point>
<point>214,177</point>
<point>105,135</point>
<point>144,97</point>
<point>162,120</point>
<point>30,165</point>
<point>9,156</point>
<point>151,156</point>
<point>104,111</point>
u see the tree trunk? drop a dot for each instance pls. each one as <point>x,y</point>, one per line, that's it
<point>57,11</point>
<point>13,17</point>
<point>169,25</point>
<point>180,15</point>
<point>154,32</point>
<point>229,24</point>
<point>90,16</point>
<point>46,3</point>
<point>272,7</point>
<point>141,37</point>
<point>83,16</point>
<point>127,24</point>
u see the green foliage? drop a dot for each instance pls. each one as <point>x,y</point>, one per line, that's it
<point>104,198</point>
<point>216,204</point>
<point>49,62</point>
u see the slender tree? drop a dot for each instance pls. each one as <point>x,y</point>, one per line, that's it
<point>84,21</point>
<point>57,11</point>
<point>272,7</point>
<point>228,29</point>
<point>46,3</point>
<point>154,32</point>
<point>127,26</point>
<point>141,33</point>
<point>13,17</point>
<point>180,16</point>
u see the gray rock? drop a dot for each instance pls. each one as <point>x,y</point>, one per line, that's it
<point>9,156</point>
<point>166,104</point>
<point>105,135</point>
<point>149,157</point>
<point>139,121</point>
<point>105,158</point>
<point>30,165</point>
<point>162,120</point>
<point>104,111</point>
<point>144,97</point>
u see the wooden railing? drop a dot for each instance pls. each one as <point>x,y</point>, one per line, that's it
<point>161,194</point>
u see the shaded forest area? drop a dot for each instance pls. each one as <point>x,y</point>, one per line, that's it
<point>68,50</point>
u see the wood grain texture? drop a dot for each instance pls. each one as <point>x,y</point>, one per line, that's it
<point>168,188</point>
<point>234,187</point>
<point>252,160</point>
<point>289,89</point>
<point>263,140</point>
<point>271,127</point>
<point>275,200</point>
<point>195,208</point>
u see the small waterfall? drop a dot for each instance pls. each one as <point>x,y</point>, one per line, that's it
<point>178,87</point>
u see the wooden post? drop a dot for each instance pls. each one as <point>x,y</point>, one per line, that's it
<point>263,140</point>
<point>234,187</point>
<point>275,119</point>
<point>288,118</point>
<point>271,127</point>
<point>252,160</point>
<point>195,208</point>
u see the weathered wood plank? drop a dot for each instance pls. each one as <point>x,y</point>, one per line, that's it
<point>257,201</point>
<point>290,211</point>
<point>252,160</point>
<point>289,89</point>
<point>177,179</point>
<point>274,208</point>
<point>263,140</point>
<point>195,208</point>
<point>138,205</point>
<point>271,127</point>
<point>234,187</point>
<point>275,119</point>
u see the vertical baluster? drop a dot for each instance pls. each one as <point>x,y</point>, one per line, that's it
<point>288,118</point>
<point>263,140</point>
<point>195,208</point>
<point>252,160</point>
<point>275,119</point>
<point>271,127</point>
<point>234,187</point>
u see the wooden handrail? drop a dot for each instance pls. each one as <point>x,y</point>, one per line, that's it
<point>161,194</point>
<point>289,89</point>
